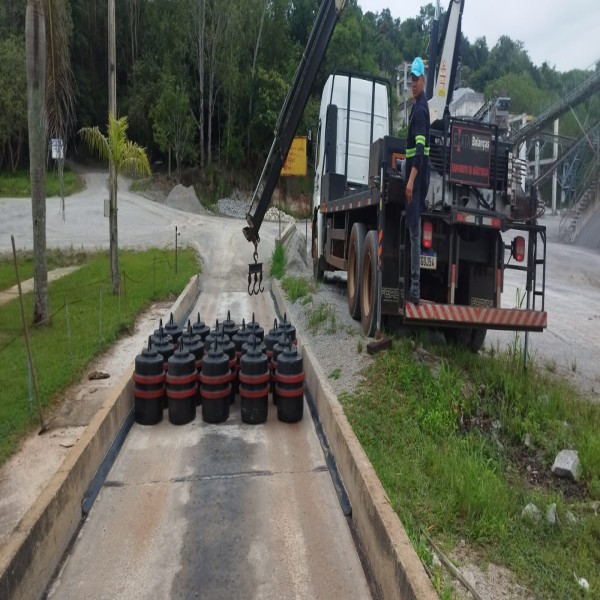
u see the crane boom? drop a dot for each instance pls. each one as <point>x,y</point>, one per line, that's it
<point>291,113</point>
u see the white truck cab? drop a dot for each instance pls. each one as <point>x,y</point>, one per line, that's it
<point>355,111</point>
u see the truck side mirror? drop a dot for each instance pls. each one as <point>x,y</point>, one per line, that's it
<point>331,138</point>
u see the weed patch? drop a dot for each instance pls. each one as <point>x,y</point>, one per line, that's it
<point>445,431</point>
<point>298,288</point>
<point>320,315</point>
<point>278,261</point>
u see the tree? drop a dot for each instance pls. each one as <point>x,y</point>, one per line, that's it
<point>126,157</point>
<point>13,101</point>
<point>524,95</point>
<point>35,42</point>
<point>49,108</point>
<point>173,124</point>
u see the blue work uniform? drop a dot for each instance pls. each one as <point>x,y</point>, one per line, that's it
<point>417,154</point>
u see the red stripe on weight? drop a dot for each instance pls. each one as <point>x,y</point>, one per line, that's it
<point>215,395</point>
<point>254,379</point>
<point>289,393</point>
<point>148,379</point>
<point>182,379</point>
<point>254,394</point>
<point>183,394</point>
<point>148,395</point>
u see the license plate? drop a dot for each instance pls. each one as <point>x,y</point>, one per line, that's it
<point>428,261</point>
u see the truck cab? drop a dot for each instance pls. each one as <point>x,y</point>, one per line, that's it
<point>355,112</point>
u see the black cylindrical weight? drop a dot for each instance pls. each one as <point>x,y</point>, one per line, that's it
<point>149,386</point>
<point>201,328</point>
<point>288,329</point>
<point>289,385</point>
<point>254,386</point>
<point>239,338</point>
<point>195,346</point>
<point>253,342</point>
<point>163,344</point>
<point>215,386</point>
<point>256,329</point>
<point>228,347</point>
<point>174,331</point>
<point>229,326</point>
<point>182,386</point>
<point>278,348</point>
<point>270,340</point>
<point>160,336</point>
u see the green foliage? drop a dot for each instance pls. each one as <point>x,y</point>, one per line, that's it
<point>18,185</point>
<point>335,374</point>
<point>126,156</point>
<point>525,95</point>
<point>13,101</point>
<point>298,287</point>
<point>445,435</point>
<point>321,315</point>
<point>93,320</point>
<point>57,258</point>
<point>250,52</point>
<point>172,123</point>
<point>278,261</point>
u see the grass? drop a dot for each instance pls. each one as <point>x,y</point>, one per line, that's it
<point>86,319</point>
<point>445,434</point>
<point>278,261</point>
<point>298,288</point>
<point>56,258</point>
<point>321,315</point>
<point>18,185</point>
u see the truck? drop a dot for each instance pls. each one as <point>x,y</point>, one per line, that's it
<point>480,219</point>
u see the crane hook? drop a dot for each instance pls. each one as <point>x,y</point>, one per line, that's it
<point>255,275</point>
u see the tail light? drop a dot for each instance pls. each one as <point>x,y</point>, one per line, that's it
<point>518,248</point>
<point>427,234</point>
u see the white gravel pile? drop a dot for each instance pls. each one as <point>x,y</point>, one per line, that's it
<point>237,209</point>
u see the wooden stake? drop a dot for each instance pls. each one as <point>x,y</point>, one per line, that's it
<point>36,389</point>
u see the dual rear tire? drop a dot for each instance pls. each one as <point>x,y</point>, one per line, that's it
<point>361,283</point>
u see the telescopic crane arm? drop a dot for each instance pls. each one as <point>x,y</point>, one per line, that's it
<point>291,113</point>
<point>443,87</point>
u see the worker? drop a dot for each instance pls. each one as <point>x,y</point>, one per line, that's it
<point>417,171</point>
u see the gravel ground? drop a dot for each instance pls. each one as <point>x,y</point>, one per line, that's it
<point>337,341</point>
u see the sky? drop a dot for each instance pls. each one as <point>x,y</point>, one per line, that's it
<point>565,33</point>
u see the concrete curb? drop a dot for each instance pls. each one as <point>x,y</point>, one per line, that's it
<point>36,546</point>
<point>397,570</point>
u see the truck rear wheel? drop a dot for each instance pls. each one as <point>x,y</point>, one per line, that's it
<point>467,338</point>
<point>318,262</point>
<point>355,252</point>
<point>368,288</point>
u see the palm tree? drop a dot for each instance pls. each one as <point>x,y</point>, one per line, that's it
<point>49,110</point>
<point>126,157</point>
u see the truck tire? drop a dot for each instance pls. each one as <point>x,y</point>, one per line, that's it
<point>368,288</point>
<point>353,282</point>
<point>467,338</point>
<point>318,262</point>
<point>477,339</point>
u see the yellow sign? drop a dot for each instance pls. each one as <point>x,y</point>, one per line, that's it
<point>295,163</point>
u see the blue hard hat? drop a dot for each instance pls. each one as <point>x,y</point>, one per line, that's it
<point>417,68</point>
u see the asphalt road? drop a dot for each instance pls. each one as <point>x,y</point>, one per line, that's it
<point>570,344</point>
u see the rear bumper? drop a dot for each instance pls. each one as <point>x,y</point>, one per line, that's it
<point>449,315</point>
